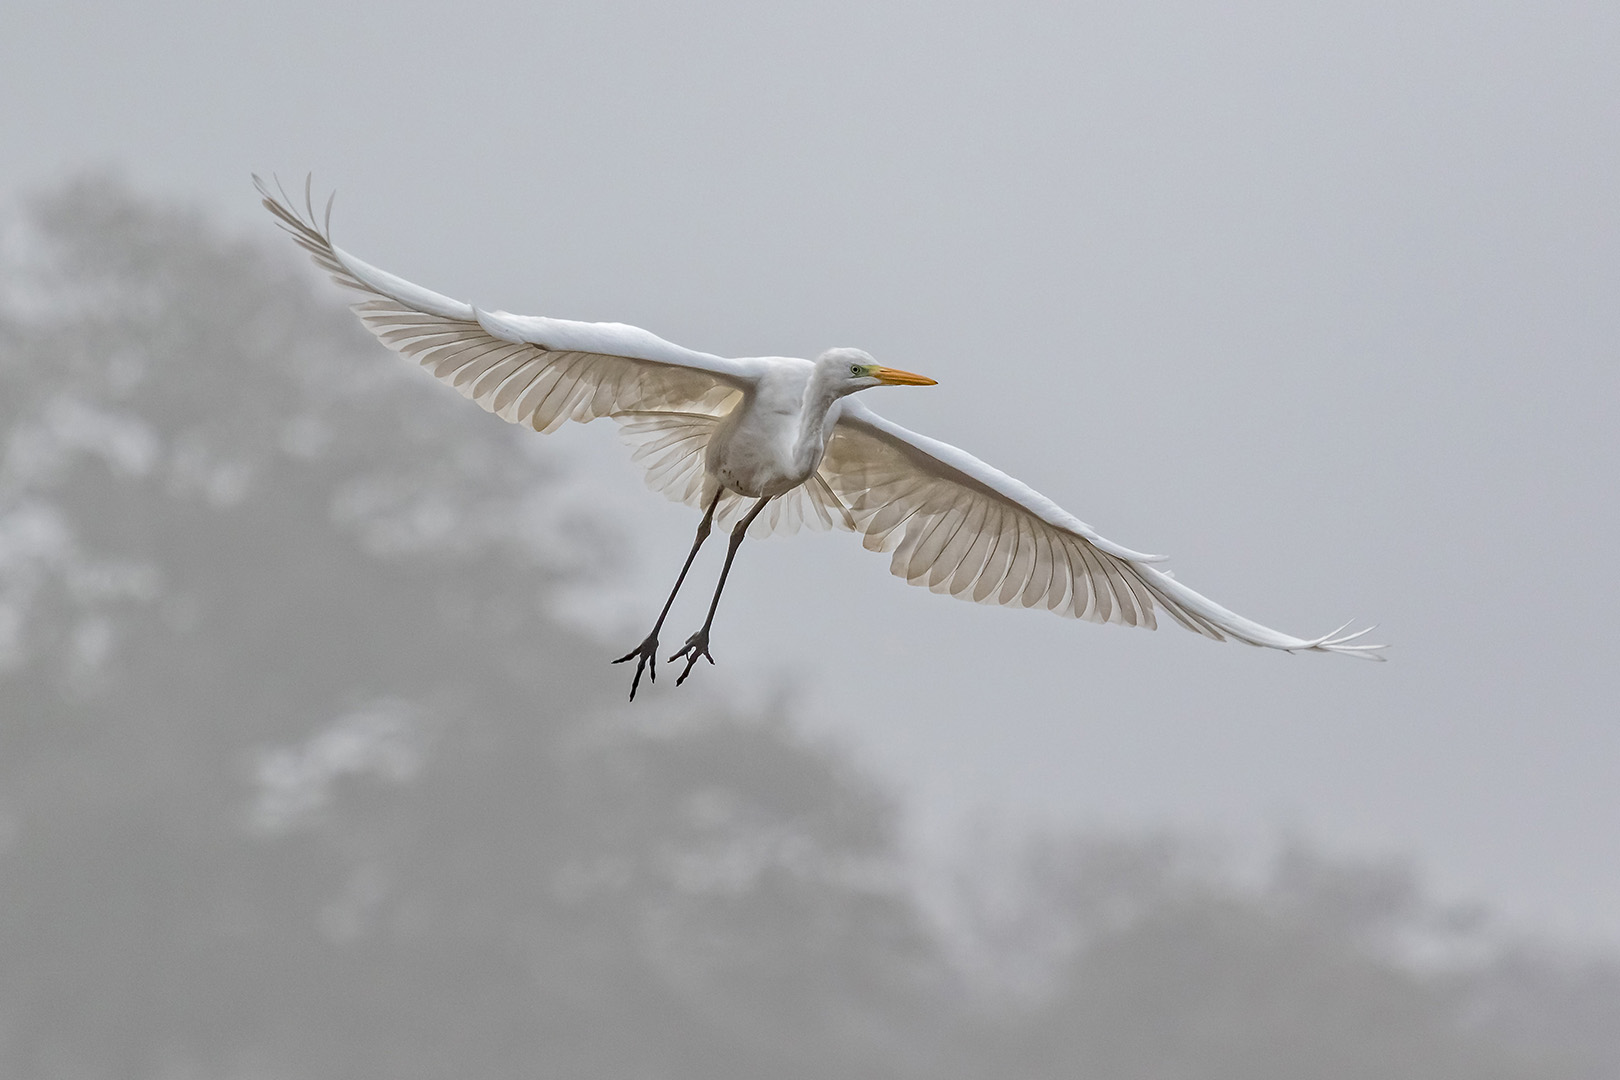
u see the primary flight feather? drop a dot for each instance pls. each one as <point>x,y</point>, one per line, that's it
<point>767,444</point>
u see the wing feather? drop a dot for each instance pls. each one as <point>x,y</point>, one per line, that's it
<point>957,525</point>
<point>1084,597</point>
<point>931,541</point>
<point>978,551</point>
<point>1107,588</point>
<point>1023,558</point>
<point>944,568</point>
<point>513,389</point>
<point>1002,543</point>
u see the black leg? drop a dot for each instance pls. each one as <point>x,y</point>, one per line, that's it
<point>698,644</point>
<point>647,651</point>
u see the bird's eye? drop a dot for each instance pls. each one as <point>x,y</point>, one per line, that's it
<point>854,369</point>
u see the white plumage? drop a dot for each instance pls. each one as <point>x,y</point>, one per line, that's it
<point>776,443</point>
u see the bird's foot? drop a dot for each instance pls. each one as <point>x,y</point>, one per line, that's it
<point>646,657</point>
<point>696,646</point>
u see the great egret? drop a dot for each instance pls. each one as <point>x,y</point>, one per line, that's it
<point>764,444</point>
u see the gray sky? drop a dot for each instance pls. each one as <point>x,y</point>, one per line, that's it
<point>1320,300</point>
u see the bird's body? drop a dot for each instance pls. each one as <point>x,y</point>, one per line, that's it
<point>774,438</point>
<point>765,444</point>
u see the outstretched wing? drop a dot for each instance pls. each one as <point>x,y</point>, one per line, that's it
<point>527,370</point>
<point>959,526</point>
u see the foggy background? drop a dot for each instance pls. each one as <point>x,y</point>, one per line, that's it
<point>315,765</point>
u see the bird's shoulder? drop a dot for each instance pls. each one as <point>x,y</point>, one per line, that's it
<point>778,379</point>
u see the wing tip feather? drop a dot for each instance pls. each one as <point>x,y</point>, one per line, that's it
<point>1340,642</point>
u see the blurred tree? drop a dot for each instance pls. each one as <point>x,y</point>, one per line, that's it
<point>1150,958</point>
<point>300,778</point>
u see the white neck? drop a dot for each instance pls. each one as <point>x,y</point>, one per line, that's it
<point>820,393</point>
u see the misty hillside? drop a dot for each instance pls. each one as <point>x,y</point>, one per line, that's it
<point>301,777</point>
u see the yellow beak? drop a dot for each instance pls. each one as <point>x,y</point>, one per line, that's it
<point>895,377</point>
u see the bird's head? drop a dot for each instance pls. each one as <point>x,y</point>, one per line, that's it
<point>849,370</point>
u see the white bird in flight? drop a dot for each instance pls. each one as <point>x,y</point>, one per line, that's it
<point>765,444</point>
